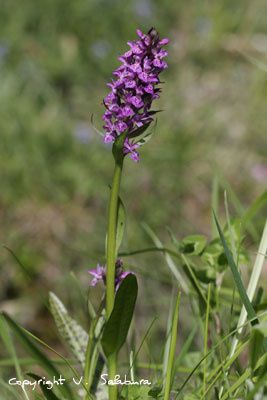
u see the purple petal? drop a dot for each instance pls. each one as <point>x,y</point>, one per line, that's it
<point>163,42</point>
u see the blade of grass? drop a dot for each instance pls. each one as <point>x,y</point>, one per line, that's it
<point>185,348</point>
<point>148,250</point>
<point>23,336</point>
<point>261,382</point>
<point>25,270</point>
<point>141,344</point>
<point>169,374</point>
<point>168,336</point>
<point>214,203</point>
<point>220,369</point>
<point>236,275</point>
<point>4,333</point>
<point>230,228</point>
<point>132,372</point>
<point>206,332</point>
<point>233,248</point>
<point>92,350</point>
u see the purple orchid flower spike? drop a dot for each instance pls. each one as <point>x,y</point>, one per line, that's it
<point>99,274</point>
<point>134,88</point>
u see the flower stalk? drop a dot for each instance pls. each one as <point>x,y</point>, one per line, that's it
<point>111,237</point>
<point>111,249</point>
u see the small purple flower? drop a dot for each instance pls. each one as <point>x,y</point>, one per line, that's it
<point>99,274</point>
<point>130,148</point>
<point>128,105</point>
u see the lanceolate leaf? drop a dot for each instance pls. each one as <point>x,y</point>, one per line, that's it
<point>117,326</point>
<point>73,334</point>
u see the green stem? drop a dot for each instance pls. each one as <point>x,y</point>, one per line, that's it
<point>111,238</point>
<point>171,356</point>
<point>111,258</point>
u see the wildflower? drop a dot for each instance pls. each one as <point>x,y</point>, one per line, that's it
<point>128,105</point>
<point>99,274</point>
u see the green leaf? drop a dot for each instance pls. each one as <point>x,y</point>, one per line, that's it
<point>237,278</point>
<point>120,224</point>
<point>117,326</point>
<point>139,131</point>
<point>48,393</point>
<point>40,357</point>
<point>215,257</point>
<point>193,244</point>
<point>73,334</point>
<point>205,275</point>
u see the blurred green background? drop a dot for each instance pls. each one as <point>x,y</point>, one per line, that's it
<point>55,59</point>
